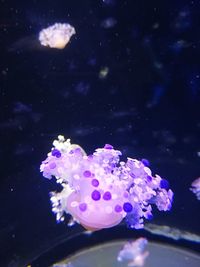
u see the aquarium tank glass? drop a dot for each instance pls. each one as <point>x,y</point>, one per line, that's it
<point>100,133</point>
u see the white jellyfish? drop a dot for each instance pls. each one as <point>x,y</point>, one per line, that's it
<point>57,35</point>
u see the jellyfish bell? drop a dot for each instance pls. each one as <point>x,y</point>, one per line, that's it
<point>92,216</point>
<point>57,35</point>
<point>91,205</point>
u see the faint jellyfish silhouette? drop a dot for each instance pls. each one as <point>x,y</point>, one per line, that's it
<point>195,187</point>
<point>109,2</point>
<point>57,35</point>
<point>134,253</point>
<point>183,20</point>
<point>108,23</point>
<point>82,88</point>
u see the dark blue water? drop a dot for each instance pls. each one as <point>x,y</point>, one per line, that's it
<point>146,105</point>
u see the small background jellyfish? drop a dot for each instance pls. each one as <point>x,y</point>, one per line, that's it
<point>57,35</point>
<point>195,187</point>
<point>134,252</point>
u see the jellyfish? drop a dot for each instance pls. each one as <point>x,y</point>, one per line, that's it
<point>195,187</point>
<point>134,253</point>
<point>57,35</point>
<point>99,190</point>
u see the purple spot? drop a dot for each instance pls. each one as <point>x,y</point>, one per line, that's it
<point>56,153</point>
<point>107,195</point>
<point>127,207</point>
<point>77,150</point>
<point>87,173</point>
<point>52,165</point>
<point>164,184</point>
<point>96,195</point>
<point>107,146</point>
<point>118,208</point>
<point>95,182</point>
<point>145,162</point>
<point>83,206</point>
<point>149,178</point>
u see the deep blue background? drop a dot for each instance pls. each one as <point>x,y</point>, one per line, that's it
<point>147,106</point>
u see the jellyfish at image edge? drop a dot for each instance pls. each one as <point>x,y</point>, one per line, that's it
<point>134,252</point>
<point>195,187</point>
<point>57,35</point>
<point>99,190</point>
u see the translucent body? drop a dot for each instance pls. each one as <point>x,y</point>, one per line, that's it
<point>99,190</point>
<point>195,187</point>
<point>134,253</point>
<point>57,35</point>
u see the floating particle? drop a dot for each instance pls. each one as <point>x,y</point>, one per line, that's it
<point>108,23</point>
<point>156,25</point>
<point>195,187</point>
<point>57,35</point>
<point>134,253</point>
<point>103,72</point>
<point>99,190</point>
